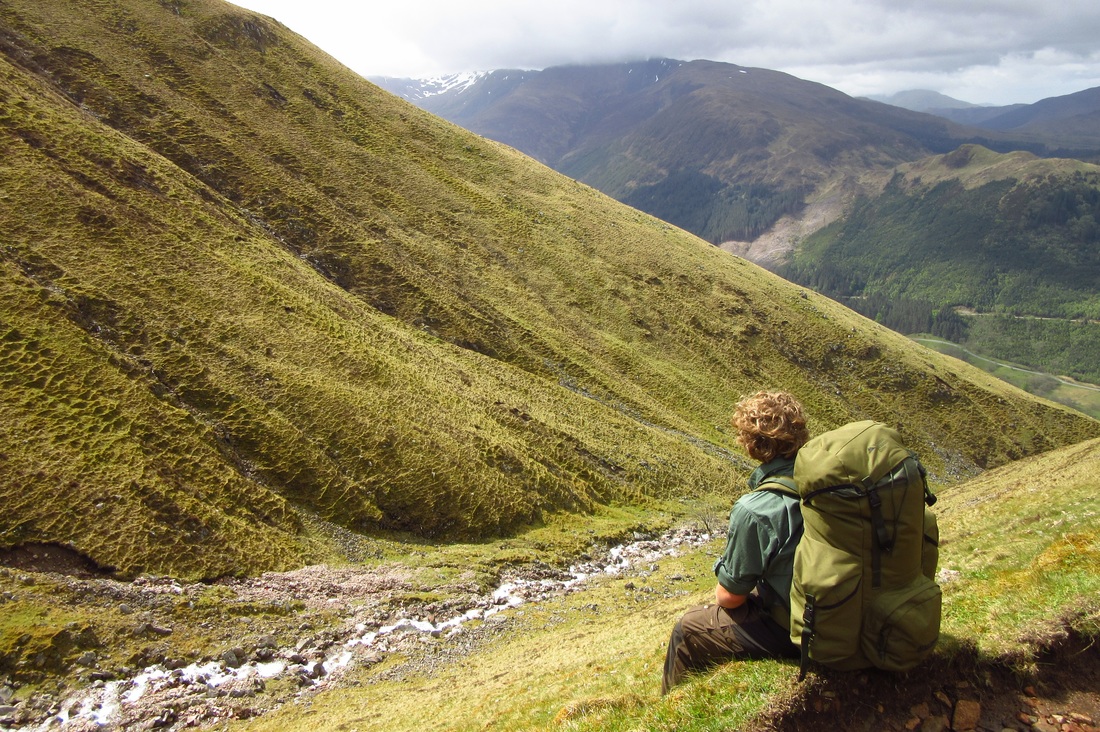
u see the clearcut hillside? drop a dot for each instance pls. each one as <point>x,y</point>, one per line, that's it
<point>245,293</point>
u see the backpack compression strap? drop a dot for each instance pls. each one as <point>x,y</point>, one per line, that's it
<point>883,541</point>
<point>785,485</point>
<point>807,636</point>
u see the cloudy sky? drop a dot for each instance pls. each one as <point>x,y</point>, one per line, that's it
<point>981,51</point>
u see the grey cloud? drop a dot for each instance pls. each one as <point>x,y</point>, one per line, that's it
<point>947,43</point>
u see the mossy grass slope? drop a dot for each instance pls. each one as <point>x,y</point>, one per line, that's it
<point>1022,551</point>
<point>241,288</point>
<point>1020,567</point>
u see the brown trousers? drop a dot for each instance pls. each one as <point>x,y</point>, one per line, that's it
<point>711,635</point>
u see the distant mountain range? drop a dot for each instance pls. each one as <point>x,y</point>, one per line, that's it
<point>721,150</point>
<point>774,168</point>
<point>923,100</point>
<point>1059,119</point>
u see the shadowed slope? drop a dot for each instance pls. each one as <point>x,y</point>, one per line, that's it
<point>241,285</point>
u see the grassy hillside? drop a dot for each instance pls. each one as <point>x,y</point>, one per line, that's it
<point>1019,567</point>
<point>244,290</point>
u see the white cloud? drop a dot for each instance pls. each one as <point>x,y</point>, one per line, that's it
<point>998,51</point>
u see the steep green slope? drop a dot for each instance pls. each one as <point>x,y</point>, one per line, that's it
<point>243,288</point>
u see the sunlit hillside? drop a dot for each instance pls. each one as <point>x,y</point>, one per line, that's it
<point>246,294</point>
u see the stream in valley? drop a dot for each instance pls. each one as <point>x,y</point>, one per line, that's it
<point>159,697</point>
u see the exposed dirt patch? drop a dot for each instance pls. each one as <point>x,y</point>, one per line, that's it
<point>1060,694</point>
<point>51,558</point>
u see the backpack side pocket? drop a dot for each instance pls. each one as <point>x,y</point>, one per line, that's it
<point>833,578</point>
<point>903,625</point>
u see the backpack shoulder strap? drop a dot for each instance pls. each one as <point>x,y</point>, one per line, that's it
<point>780,484</point>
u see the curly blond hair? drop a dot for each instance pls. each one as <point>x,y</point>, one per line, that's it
<point>770,424</point>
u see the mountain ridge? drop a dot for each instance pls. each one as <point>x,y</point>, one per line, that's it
<point>1067,122</point>
<point>924,100</point>
<point>724,160</point>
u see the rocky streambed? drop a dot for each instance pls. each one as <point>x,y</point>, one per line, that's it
<point>362,627</point>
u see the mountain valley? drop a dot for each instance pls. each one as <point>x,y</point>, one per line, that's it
<point>283,355</point>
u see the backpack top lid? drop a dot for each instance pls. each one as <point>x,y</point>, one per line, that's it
<point>858,454</point>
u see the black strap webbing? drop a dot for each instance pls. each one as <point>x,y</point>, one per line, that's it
<point>883,541</point>
<point>807,636</point>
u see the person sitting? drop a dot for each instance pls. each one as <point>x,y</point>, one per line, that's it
<point>750,617</point>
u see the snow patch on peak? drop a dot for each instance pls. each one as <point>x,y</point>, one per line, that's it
<point>456,83</point>
<point>419,89</point>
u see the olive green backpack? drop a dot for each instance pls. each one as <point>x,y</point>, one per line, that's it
<point>864,591</point>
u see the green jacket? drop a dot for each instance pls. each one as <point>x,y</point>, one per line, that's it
<point>764,530</point>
